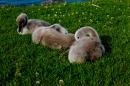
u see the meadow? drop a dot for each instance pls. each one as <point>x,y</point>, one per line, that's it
<point>24,63</point>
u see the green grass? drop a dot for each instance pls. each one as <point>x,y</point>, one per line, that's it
<point>21,59</point>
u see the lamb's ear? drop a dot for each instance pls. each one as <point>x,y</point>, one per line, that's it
<point>53,26</point>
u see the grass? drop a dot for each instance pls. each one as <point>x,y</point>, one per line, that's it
<point>23,63</point>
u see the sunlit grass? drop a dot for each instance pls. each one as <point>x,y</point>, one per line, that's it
<point>22,62</point>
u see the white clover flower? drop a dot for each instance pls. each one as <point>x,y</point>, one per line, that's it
<point>37,74</point>
<point>59,6</point>
<point>55,15</point>
<point>59,20</point>
<point>76,12</point>
<point>37,82</point>
<point>56,12</point>
<point>79,21</point>
<point>91,20</point>
<point>65,3</point>
<point>82,13</point>
<point>19,74</point>
<point>91,14</point>
<point>107,15</point>
<point>61,81</point>
<point>110,22</point>
<point>63,15</point>
<point>112,18</point>
<point>52,9</point>
<point>95,5</point>
<point>59,9</point>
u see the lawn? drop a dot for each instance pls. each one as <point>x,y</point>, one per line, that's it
<point>23,63</point>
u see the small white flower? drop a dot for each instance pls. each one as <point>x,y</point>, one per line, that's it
<point>59,9</point>
<point>76,12</point>
<point>61,81</point>
<point>37,74</point>
<point>37,82</point>
<point>19,74</point>
<point>79,21</point>
<point>63,15</point>
<point>95,5</point>
<point>91,14</point>
<point>52,9</point>
<point>65,3</point>
<point>55,15</point>
<point>112,18</point>
<point>82,13</point>
<point>107,15</point>
<point>59,20</point>
<point>91,20</point>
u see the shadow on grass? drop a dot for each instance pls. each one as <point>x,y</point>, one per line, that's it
<point>106,41</point>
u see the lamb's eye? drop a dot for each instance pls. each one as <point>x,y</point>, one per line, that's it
<point>78,37</point>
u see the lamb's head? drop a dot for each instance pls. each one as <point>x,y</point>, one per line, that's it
<point>59,28</point>
<point>22,22</point>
